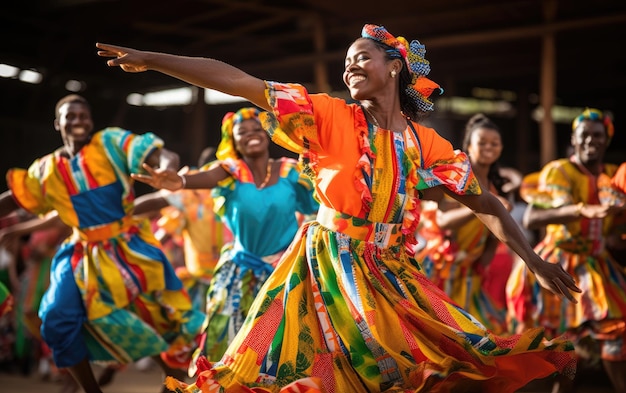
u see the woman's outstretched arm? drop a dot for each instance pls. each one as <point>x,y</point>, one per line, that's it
<point>199,71</point>
<point>494,215</point>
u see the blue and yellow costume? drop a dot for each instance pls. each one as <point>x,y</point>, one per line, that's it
<point>113,295</point>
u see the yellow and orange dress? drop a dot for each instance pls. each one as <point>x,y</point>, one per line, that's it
<point>450,260</point>
<point>190,216</point>
<point>113,295</point>
<point>348,308</point>
<point>579,246</point>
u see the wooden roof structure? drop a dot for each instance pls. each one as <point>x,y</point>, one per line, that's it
<point>547,52</point>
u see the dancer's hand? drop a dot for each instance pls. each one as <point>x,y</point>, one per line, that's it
<point>160,178</point>
<point>552,277</point>
<point>130,60</point>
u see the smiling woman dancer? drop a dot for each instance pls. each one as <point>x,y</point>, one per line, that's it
<point>258,199</point>
<point>347,308</point>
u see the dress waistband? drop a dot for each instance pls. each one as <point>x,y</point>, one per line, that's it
<point>380,233</point>
<point>106,231</point>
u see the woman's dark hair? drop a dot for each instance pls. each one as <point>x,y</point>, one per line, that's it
<point>475,122</point>
<point>407,104</point>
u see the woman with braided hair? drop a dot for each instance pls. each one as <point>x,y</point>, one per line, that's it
<point>347,308</point>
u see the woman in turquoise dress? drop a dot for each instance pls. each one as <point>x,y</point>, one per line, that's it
<point>258,199</point>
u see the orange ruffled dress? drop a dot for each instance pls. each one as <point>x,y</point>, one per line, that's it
<point>450,260</point>
<point>348,308</point>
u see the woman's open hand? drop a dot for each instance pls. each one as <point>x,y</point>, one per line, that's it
<point>130,60</point>
<point>552,277</point>
<point>160,178</point>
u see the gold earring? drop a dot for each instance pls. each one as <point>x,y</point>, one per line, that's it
<point>393,73</point>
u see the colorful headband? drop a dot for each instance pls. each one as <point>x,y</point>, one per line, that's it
<point>421,87</point>
<point>226,148</point>
<point>595,115</point>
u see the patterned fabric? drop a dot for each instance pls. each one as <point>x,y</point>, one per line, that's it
<point>113,296</point>
<point>450,260</point>
<point>6,300</point>
<point>619,183</point>
<point>619,178</point>
<point>579,246</point>
<point>263,222</point>
<point>35,278</point>
<point>348,309</point>
<point>190,216</point>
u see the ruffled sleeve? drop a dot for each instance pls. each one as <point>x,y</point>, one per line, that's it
<point>226,186</point>
<point>438,164</point>
<point>327,133</point>
<point>127,150</point>
<point>292,122</point>
<point>550,188</point>
<point>619,178</point>
<point>27,186</point>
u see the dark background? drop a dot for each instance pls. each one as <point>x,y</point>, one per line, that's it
<point>488,44</point>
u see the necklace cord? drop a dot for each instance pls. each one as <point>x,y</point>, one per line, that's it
<point>268,174</point>
<point>374,121</point>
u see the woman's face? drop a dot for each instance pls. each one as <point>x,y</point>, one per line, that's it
<point>485,146</point>
<point>366,69</point>
<point>589,141</point>
<point>250,138</point>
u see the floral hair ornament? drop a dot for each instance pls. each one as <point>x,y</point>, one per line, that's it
<point>226,148</point>
<point>420,88</point>
<point>595,115</point>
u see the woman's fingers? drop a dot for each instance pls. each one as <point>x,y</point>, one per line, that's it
<point>142,178</point>
<point>149,169</point>
<point>562,290</point>
<point>110,50</point>
<point>555,279</point>
<point>565,284</point>
<point>125,58</point>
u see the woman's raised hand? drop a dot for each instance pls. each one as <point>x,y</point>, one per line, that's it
<point>130,60</point>
<point>160,178</point>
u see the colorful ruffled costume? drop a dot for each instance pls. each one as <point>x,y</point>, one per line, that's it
<point>113,295</point>
<point>579,246</point>
<point>348,308</point>
<point>450,260</point>
<point>191,219</point>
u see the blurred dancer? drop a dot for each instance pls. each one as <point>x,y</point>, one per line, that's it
<point>113,296</point>
<point>460,248</point>
<point>260,200</point>
<point>575,203</point>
